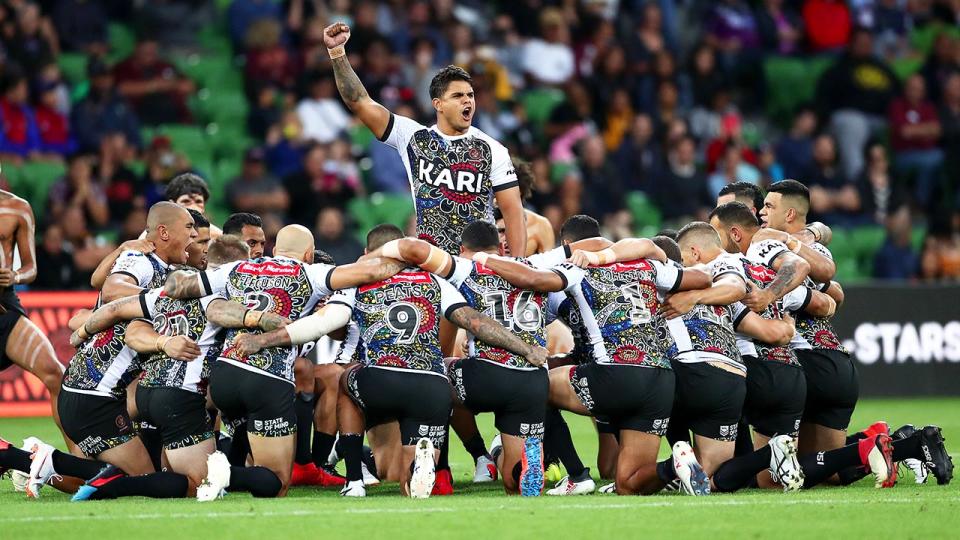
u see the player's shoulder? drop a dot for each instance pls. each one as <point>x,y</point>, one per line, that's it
<point>495,145</point>
<point>822,249</point>
<point>13,202</point>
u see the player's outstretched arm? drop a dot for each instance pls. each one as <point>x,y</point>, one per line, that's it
<point>726,290</point>
<point>311,328</point>
<point>419,253</point>
<point>183,284</point>
<point>100,275</point>
<point>493,333</point>
<point>368,270</point>
<point>142,338</point>
<point>106,316</point>
<point>627,249</point>
<point>694,279</point>
<point>372,114</point>
<point>520,275</point>
<point>228,314</point>
<point>821,305</point>
<point>771,331</point>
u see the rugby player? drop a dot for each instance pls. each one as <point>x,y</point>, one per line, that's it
<point>627,380</point>
<point>259,388</point>
<point>398,320</point>
<point>249,227</point>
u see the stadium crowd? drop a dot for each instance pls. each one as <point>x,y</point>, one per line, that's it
<point>664,102</point>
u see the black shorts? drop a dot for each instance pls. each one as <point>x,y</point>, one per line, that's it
<point>180,415</point>
<point>518,398</point>
<point>95,423</point>
<point>265,402</point>
<point>776,393</point>
<point>627,397</point>
<point>709,400</point>
<point>10,313</point>
<point>833,387</point>
<point>419,402</point>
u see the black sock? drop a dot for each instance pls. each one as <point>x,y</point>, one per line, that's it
<point>224,443</point>
<point>665,471</point>
<point>303,406</point>
<point>851,474</point>
<point>818,466</point>
<point>517,469</point>
<point>159,485</point>
<point>239,448</point>
<point>677,430</point>
<point>16,459</point>
<point>475,447</point>
<point>351,448</point>
<point>741,471</point>
<point>150,437</point>
<point>557,436</point>
<point>67,465</point>
<point>744,444</point>
<point>258,481</point>
<point>322,445</point>
<point>907,448</point>
<point>443,462</point>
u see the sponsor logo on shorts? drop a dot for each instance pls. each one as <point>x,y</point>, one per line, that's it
<point>535,429</point>
<point>423,430</point>
<point>275,427</point>
<point>121,423</point>
<point>660,426</point>
<point>524,428</point>
<point>728,433</point>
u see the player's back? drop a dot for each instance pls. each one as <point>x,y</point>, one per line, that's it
<point>761,275</point>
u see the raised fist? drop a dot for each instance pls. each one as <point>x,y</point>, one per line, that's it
<point>335,35</point>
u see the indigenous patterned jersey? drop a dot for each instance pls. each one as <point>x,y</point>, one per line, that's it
<point>281,285</point>
<point>172,317</point>
<point>518,310</point>
<point>104,365</point>
<point>818,332</point>
<point>613,311</point>
<point>399,320</point>
<point>711,327</point>
<point>452,179</point>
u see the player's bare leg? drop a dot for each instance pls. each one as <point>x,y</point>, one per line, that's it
<point>327,388</point>
<point>448,338</point>
<point>763,479</point>
<point>637,463</point>
<point>559,338</point>
<point>711,453</point>
<point>385,442</point>
<point>191,461</point>
<point>275,454</point>
<point>562,395</point>
<point>131,457</point>
<point>509,462</point>
<point>607,453</point>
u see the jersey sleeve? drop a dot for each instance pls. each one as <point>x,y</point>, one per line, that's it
<point>550,258</point>
<point>461,271</point>
<point>822,249</point>
<point>450,298</point>
<point>148,302</point>
<point>668,276</point>
<point>215,281</point>
<point>502,174</point>
<point>400,130</point>
<point>347,297</point>
<point>134,264</point>
<point>207,300</point>
<point>767,251</point>
<point>319,275</point>
<point>571,274</point>
<point>724,265</point>
<point>738,310</point>
<point>797,299</point>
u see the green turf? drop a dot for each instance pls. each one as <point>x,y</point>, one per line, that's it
<point>906,511</point>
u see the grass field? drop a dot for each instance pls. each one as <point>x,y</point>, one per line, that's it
<point>906,511</point>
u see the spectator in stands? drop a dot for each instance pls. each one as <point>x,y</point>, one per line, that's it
<point>416,25</point>
<point>190,191</point>
<point>333,237</point>
<point>55,267</point>
<point>49,75</point>
<point>35,42</point>
<point>81,26</point>
<point>914,134</point>
<point>681,191</point>
<point>668,107</point>
<point>648,39</point>
<point>134,225</point>
<point>664,69</point>
<point>243,13</point>
<point>828,24</point>
<point>896,258</point>
<point>87,249</point>
<point>600,42</point>
<point>706,79</point>
<point>286,146</point>
<point>950,124</point>
<point>889,23</point>
<point>176,24</point>
<point>732,29</point>
<point>420,72</point>
<point>617,119</point>
<point>781,28</point>
<point>603,190</point>
<point>795,149</point>
<point>381,75</point>
<point>267,60</point>
<point>53,125</point>
<point>77,189</point>
<point>770,169</point>
<point>639,157</point>
<point>103,112</point>
<point>20,135</point>
<point>122,186</point>
<point>501,123</point>
<point>154,87</point>
<point>833,199</point>
<point>940,259</point>
<point>255,190</point>
<point>162,163</point>
<point>316,186</point>
<point>548,60</point>
<point>732,168</point>
<point>881,193</point>
<point>321,112</point>
<point>854,94</point>
<point>265,109</point>
<point>943,61</point>
<point>731,132</point>
<point>611,73</point>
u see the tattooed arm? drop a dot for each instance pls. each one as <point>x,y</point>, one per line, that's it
<point>329,318</point>
<point>230,314</point>
<point>363,272</point>
<point>493,333</point>
<point>183,284</point>
<point>106,316</point>
<point>791,271</point>
<point>371,113</point>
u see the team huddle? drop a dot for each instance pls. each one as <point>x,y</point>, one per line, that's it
<point>191,377</point>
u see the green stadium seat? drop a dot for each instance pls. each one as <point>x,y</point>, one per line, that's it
<point>225,171</point>
<point>848,270</point>
<point>216,41</point>
<point>222,107</point>
<point>207,71</point>
<point>360,137</point>
<point>191,140</point>
<point>539,103</point>
<point>790,82</point>
<point>35,179</point>
<point>922,38</point>
<point>228,141</point>
<point>380,208</point>
<point>866,241</point>
<point>73,66</point>
<point>122,41</point>
<point>904,67</point>
<point>645,213</point>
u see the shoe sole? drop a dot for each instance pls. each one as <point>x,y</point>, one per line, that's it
<point>885,462</point>
<point>35,468</point>
<point>938,444</point>
<point>424,473</point>
<point>791,477</point>
<point>531,478</point>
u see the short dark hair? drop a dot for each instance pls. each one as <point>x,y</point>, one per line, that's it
<point>735,213</point>
<point>669,233</point>
<point>226,249</point>
<point>525,178</point>
<point>669,246</point>
<point>744,189</point>
<point>480,236</point>
<point>794,189</point>
<point>695,228</point>
<point>321,256</point>
<point>199,221</point>
<point>187,184</point>
<point>234,224</point>
<point>579,227</point>
<point>443,78</point>
<point>381,234</point>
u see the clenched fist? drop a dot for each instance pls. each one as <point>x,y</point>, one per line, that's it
<point>336,35</point>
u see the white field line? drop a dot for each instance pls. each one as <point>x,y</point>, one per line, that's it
<point>339,510</point>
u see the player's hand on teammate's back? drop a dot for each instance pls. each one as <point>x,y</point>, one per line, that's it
<point>6,277</point>
<point>538,357</point>
<point>335,35</point>
<point>678,304</point>
<point>758,300</point>
<point>247,344</point>
<point>143,246</point>
<point>182,348</point>
<point>272,321</point>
